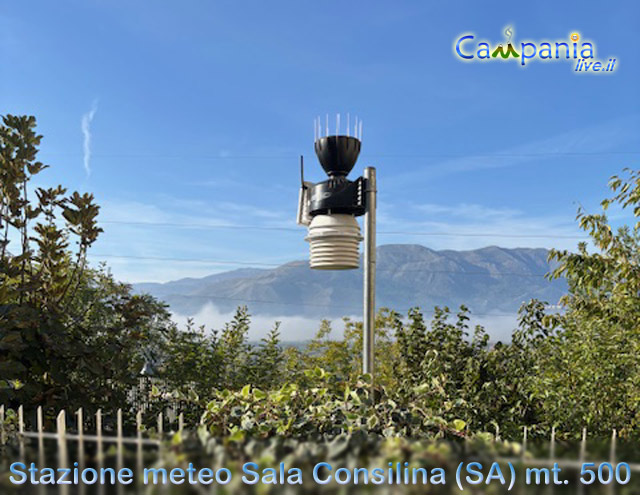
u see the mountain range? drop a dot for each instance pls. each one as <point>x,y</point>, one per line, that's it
<point>488,280</point>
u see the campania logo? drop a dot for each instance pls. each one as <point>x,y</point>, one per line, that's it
<point>574,49</point>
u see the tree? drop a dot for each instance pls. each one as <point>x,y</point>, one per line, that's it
<point>592,368</point>
<point>69,335</point>
<point>268,360</point>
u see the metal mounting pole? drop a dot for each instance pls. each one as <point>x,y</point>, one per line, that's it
<point>368,338</point>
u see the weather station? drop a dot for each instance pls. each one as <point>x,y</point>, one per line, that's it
<point>329,210</point>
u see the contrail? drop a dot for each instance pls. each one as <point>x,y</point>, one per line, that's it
<point>87,118</point>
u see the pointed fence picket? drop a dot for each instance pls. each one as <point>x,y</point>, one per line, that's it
<point>575,465</point>
<point>81,436</point>
<point>78,434</point>
<point>2,432</point>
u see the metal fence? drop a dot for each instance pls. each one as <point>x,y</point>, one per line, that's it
<point>164,426</point>
<point>572,464</point>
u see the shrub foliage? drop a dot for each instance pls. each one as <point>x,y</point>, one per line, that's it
<point>71,335</point>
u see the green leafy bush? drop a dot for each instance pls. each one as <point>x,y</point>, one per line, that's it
<point>71,336</point>
<point>325,409</point>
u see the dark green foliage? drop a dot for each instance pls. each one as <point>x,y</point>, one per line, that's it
<point>71,336</point>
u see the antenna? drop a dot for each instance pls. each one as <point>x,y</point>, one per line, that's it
<point>329,209</point>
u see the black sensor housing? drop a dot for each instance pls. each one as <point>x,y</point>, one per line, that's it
<point>338,156</point>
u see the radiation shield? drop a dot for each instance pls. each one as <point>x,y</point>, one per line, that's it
<point>334,242</point>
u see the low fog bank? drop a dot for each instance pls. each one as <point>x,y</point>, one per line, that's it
<point>299,328</point>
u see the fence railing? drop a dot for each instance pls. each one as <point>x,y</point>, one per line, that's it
<point>81,437</point>
<point>582,454</point>
<point>574,464</point>
<point>62,433</point>
<point>65,436</point>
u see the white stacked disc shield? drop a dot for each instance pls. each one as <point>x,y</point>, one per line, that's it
<point>334,242</point>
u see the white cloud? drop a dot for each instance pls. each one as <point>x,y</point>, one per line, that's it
<point>466,210</point>
<point>587,140</point>
<point>145,242</point>
<point>172,212</point>
<point>472,226</point>
<point>85,125</point>
<point>499,327</point>
<point>250,211</point>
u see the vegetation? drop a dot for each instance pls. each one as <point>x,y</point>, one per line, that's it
<point>593,368</point>
<point>70,335</point>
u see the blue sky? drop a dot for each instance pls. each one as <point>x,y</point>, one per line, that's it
<point>197,112</point>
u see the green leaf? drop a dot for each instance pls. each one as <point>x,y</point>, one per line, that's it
<point>246,390</point>
<point>459,425</point>
<point>237,435</point>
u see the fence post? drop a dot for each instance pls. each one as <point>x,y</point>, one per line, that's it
<point>612,453</point>
<point>612,459</point>
<point>139,459</point>
<point>2,438</point>
<point>39,422</point>
<point>80,423</point>
<point>61,432</point>
<point>99,452</point>
<point>180,423</point>
<point>119,449</point>
<point>583,445</point>
<point>139,426</point>
<point>21,432</point>
<point>119,437</point>
<point>61,426</point>
<point>160,434</point>
<point>552,457</point>
<point>40,427</point>
<point>80,428</point>
<point>583,453</point>
<point>41,455</point>
<point>119,424</point>
<point>525,435</point>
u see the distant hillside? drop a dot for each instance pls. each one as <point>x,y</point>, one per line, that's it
<point>487,280</point>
